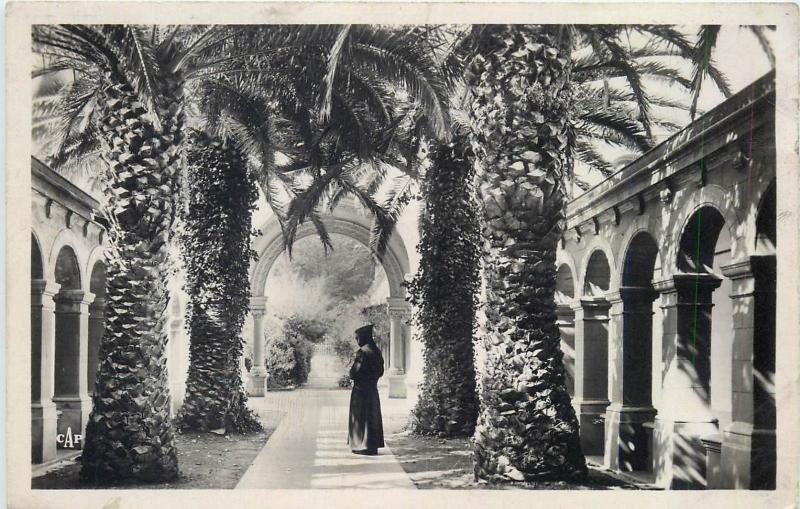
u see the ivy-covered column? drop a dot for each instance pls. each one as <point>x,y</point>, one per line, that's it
<point>257,380</point>
<point>399,313</point>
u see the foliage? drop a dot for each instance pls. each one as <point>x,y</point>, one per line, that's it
<point>288,361</point>
<point>289,353</point>
<point>348,270</point>
<point>444,292</point>
<point>311,330</point>
<point>521,98</point>
<point>215,245</point>
<point>280,362</point>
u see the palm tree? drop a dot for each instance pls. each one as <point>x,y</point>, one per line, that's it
<point>125,104</point>
<point>525,109</point>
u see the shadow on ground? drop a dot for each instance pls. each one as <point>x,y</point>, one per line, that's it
<point>437,463</point>
<point>205,460</point>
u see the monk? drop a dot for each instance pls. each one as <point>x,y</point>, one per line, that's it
<point>365,430</point>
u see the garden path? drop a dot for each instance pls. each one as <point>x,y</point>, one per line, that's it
<point>309,447</point>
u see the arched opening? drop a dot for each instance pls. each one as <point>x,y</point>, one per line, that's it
<point>350,222</point>
<point>698,401</point>
<point>97,285</point>
<point>43,411</point>
<point>598,275</point>
<point>641,267</point>
<point>69,380</point>
<point>37,275</point>
<point>324,297</point>
<point>565,299</point>
<point>763,460</point>
<point>591,354</point>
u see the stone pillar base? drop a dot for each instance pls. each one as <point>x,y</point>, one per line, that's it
<point>748,458</point>
<point>75,412</point>
<point>591,414</point>
<point>680,456</point>
<point>256,385</point>
<point>43,432</point>
<point>627,438</point>
<point>712,443</point>
<point>397,385</point>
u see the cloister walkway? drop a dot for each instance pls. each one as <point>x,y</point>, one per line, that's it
<point>309,447</point>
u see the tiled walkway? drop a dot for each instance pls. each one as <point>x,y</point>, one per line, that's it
<point>309,447</point>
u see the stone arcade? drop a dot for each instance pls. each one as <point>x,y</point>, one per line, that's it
<point>666,278</point>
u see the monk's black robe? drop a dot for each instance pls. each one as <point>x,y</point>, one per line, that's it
<point>365,426</point>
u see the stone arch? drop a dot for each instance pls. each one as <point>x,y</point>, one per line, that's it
<point>566,275</point>
<point>37,260</point>
<point>344,221</point>
<point>97,286</point>
<point>647,223</point>
<point>66,269</point>
<point>765,226</point>
<point>762,377</point>
<point>686,205</point>
<point>596,274</point>
<point>66,237</point>
<point>565,316</point>
<point>598,243</point>
<point>348,221</point>
<point>96,255</point>
<point>639,260</point>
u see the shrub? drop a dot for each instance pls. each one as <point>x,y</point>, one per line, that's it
<point>288,361</point>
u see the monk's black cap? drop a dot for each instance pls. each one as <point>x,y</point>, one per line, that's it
<point>364,333</point>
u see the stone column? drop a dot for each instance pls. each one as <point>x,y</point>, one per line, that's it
<point>685,414</point>
<point>591,371</point>
<point>257,381</point>
<point>72,348</point>
<point>748,445</point>
<point>565,319</point>
<point>630,351</point>
<point>97,325</point>
<point>43,354</point>
<point>399,312</point>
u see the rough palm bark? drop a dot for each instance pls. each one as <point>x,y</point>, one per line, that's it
<point>215,244</point>
<point>444,291</point>
<point>520,83</point>
<point>129,434</point>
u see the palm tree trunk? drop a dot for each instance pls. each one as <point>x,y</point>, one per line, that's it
<point>215,244</point>
<point>129,434</point>
<point>520,79</point>
<point>444,291</point>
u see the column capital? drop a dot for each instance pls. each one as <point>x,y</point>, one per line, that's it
<point>44,287</point>
<point>98,302</point>
<point>398,307</point>
<point>258,305</point>
<point>686,281</point>
<point>565,308</point>
<point>594,302</point>
<point>749,267</point>
<point>74,298</point>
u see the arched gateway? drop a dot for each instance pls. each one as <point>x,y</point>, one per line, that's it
<point>349,221</point>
